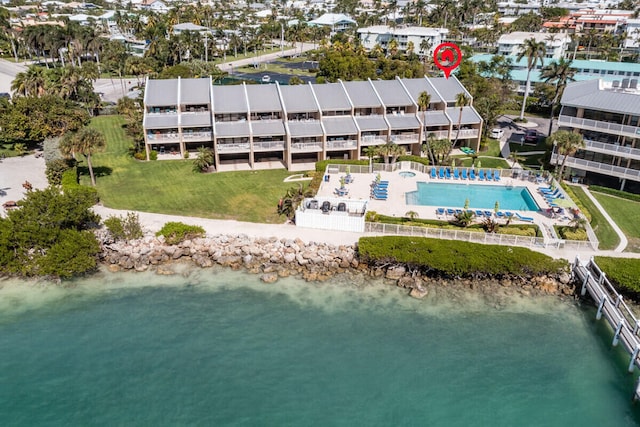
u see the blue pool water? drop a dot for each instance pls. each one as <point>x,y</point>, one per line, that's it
<point>480,196</point>
<point>407,174</point>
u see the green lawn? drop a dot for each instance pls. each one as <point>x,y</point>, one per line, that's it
<point>171,187</point>
<point>607,237</point>
<point>625,213</point>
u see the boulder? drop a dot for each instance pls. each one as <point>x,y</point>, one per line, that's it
<point>271,277</point>
<point>419,293</point>
<point>396,272</point>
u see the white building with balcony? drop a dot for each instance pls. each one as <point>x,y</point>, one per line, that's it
<point>608,117</point>
<point>424,39</point>
<point>556,44</point>
<point>274,126</point>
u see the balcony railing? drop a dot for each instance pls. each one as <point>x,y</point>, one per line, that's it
<point>196,136</point>
<point>173,137</point>
<point>467,133</point>
<point>407,138</point>
<point>612,149</point>
<point>268,146</point>
<point>306,146</point>
<point>612,128</point>
<point>438,134</point>
<point>341,144</point>
<point>591,166</point>
<point>233,148</point>
<point>373,140</point>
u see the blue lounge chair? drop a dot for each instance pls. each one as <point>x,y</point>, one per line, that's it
<point>458,211</point>
<point>481,174</point>
<point>379,197</point>
<point>489,175</point>
<point>545,189</point>
<point>380,193</point>
<point>441,173</point>
<point>433,173</point>
<point>440,211</point>
<point>447,173</point>
<point>381,185</point>
<point>450,211</point>
<point>508,214</point>
<point>524,218</point>
<point>500,214</point>
<point>464,174</point>
<point>456,174</point>
<point>496,175</point>
<point>472,175</point>
<point>488,214</point>
<point>479,213</point>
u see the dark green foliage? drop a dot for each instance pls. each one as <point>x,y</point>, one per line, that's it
<point>614,192</point>
<point>571,233</point>
<point>153,155</point>
<point>70,178</point>
<point>124,228</point>
<point>416,159</point>
<point>176,232</point>
<point>454,258</point>
<point>623,273</point>
<point>321,166</point>
<point>46,234</point>
<point>55,170</point>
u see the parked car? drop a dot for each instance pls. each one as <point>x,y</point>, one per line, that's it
<point>266,78</point>
<point>496,133</point>
<point>531,136</point>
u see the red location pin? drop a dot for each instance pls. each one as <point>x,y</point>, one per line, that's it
<point>447,57</point>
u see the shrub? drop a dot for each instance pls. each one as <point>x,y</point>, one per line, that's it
<point>524,230</point>
<point>455,258</point>
<point>51,150</point>
<point>124,228</point>
<point>321,166</point>
<point>623,273</point>
<point>70,179</point>
<point>55,169</point>
<point>153,155</point>
<point>416,159</point>
<point>371,216</point>
<point>176,232</point>
<point>140,155</point>
<point>569,233</point>
<point>186,154</point>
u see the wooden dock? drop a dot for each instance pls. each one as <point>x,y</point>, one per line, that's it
<point>611,306</point>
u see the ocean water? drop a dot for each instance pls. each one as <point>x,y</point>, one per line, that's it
<point>215,347</point>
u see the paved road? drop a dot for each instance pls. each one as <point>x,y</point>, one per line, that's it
<point>230,65</point>
<point>8,71</point>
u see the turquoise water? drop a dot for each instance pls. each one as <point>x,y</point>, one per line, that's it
<point>480,196</point>
<point>224,349</point>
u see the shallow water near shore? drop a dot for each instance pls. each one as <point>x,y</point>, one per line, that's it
<point>217,347</point>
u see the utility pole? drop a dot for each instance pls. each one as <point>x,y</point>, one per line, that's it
<point>206,47</point>
<point>282,39</point>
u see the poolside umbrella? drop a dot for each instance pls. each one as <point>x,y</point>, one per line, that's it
<point>496,208</point>
<point>466,204</point>
<point>478,165</point>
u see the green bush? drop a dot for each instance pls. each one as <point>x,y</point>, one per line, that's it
<point>316,181</point>
<point>176,232</point>
<point>321,166</point>
<point>569,233</point>
<point>55,169</point>
<point>140,155</point>
<point>623,273</point>
<point>416,159</point>
<point>124,228</point>
<point>454,258</point>
<point>617,193</point>
<point>519,230</point>
<point>70,179</point>
<point>153,155</point>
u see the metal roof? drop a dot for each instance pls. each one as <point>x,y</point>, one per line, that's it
<point>371,123</point>
<point>195,119</point>
<point>417,86</point>
<point>231,129</point>
<point>448,88</point>
<point>362,94</point>
<point>340,125</point>
<point>301,129</point>
<point>161,93</point>
<point>158,121</point>
<point>195,91</point>
<point>392,93</point>
<point>592,95</point>
<point>469,115</point>
<point>263,98</point>
<point>229,99</point>
<point>434,118</point>
<point>403,121</point>
<point>267,127</point>
<point>331,97</point>
<point>298,99</point>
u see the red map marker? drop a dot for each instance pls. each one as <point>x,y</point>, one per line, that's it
<point>447,57</point>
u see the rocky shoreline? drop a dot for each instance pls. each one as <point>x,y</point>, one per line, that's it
<point>273,258</point>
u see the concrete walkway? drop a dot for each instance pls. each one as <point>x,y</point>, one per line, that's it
<point>623,239</point>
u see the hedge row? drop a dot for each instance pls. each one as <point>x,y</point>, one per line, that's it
<point>617,193</point>
<point>177,232</point>
<point>623,273</point>
<point>454,258</point>
<point>321,166</point>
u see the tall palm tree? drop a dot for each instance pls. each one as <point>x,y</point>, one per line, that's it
<point>424,99</point>
<point>86,142</point>
<point>462,100</point>
<point>292,199</point>
<point>567,143</point>
<point>559,73</point>
<point>31,82</point>
<point>534,51</point>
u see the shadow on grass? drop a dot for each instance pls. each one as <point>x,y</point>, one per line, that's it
<point>97,170</point>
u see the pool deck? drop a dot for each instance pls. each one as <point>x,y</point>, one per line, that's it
<point>396,205</point>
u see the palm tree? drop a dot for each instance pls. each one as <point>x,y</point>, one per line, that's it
<point>534,51</point>
<point>462,100</point>
<point>424,99</point>
<point>31,82</point>
<point>203,160</point>
<point>291,200</point>
<point>86,141</point>
<point>567,144</point>
<point>560,73</point>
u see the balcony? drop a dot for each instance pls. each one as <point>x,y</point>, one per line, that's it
<point>196,136</point>
<point>438,134</point>
<point>242,147</point>
<point>406,138</point>
<point>163,137</point>
<point>596,125</point>
<point>612,149</point>
<point>588,165</point>
<point>373,140</point>
<point>341,144</point>
<point>306,146</point>
<point>466,133</point>
<point>268,146</point>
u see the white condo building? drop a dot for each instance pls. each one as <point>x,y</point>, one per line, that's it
<point>556,44</point>
<point>277,126</point>
<point>383,34</point>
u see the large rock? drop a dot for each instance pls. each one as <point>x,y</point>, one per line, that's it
<point>396,272</point>
<point>271,277</point>
<point>419,293</point>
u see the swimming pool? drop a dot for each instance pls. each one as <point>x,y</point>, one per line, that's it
<point>407,174</point>
<point>480,196</point>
